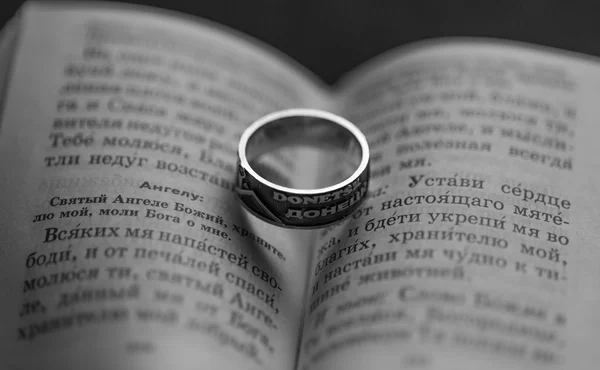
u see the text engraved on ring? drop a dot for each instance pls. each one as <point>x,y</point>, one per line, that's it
<point>327,211</point>
<point>319,198</point>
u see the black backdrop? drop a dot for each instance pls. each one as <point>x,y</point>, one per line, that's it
<point>332,36</point>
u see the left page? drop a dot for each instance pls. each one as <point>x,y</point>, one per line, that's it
<point>8,41</point>
<point>122,245</point>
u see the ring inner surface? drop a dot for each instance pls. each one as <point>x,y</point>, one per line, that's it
<point>303,152</point>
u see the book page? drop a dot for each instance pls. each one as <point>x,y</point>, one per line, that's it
<point>477,248</point>
<point>123,245</point>
<point>8,41</point>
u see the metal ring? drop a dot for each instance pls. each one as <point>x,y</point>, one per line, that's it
<point>283,204</point>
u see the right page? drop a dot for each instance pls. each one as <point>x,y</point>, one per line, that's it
<point>478,246</point>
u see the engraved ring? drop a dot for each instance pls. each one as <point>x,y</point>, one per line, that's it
<point>302,168</point>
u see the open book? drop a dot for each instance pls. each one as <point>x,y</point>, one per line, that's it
<point>123,245</point>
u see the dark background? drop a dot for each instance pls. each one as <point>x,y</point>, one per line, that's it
<point>330,37</point>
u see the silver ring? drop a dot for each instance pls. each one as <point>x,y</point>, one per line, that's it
<point>275,193</point>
